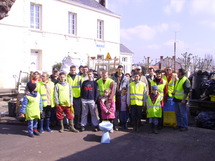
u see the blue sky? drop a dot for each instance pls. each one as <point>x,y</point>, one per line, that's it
<point>148,27</point>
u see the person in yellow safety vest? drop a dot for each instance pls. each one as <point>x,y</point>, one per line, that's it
<point>84,76</point>
<point>162,89</point>
<point>162,85</point>
<point>154,109</point>
<point>46,90</point>
<point>64,102</point>
<point>103,83</point>
<point>32,108</point>
<point>137,97</point>
<point>75,82</point>
<point>181,93</point>
<point>142,76</point>
<point>170,78</point>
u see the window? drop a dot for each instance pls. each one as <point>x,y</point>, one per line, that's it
<point>35,16</point>
<point>100,56</point>
<point>124,59</point>
<point>72,23</point>
<point>100,29</point>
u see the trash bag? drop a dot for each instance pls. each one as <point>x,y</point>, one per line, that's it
<point>206,120</point>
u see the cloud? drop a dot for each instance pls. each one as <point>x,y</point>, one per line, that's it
<point>144,32</point>
<point>209,23</point>
<point>174,6</point>
<point>203,6</point>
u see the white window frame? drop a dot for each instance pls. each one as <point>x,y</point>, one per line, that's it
<point>100,29</point>
<point>35,16</point>
<point>72,23</point>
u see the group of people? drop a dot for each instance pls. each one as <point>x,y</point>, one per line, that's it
<point>119,98</point>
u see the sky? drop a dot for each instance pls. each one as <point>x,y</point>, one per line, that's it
<point>149,28</point>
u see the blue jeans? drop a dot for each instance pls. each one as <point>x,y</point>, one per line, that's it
<point>123,116</point>
<point>181,114</point>
<point>153,120</point>
<point>32,124</point>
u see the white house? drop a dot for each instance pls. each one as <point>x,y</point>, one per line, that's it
<point>125,59</point>
<point>39,33</point>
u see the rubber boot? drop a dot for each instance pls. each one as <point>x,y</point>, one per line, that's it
<point>41,126</point>
<point>62,126</point>
<point>77,122</point>
<point>71,126</point>
<point>47,125</point>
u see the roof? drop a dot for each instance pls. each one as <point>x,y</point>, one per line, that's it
<point>124,49</point>
<point>93,4</point>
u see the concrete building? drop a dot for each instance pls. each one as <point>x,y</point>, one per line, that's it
<point>40,33</point>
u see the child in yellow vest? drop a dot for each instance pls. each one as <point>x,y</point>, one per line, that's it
<point>32,108</point>
<point>154,109</point>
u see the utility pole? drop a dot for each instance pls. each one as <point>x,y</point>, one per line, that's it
<point>175,53</point>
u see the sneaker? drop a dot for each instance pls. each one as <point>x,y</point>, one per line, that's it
<point>82,128</point>
<point>183,129</point>
<point>96,128</point>
<point>41,131</point>
<point>116,128</point>
<point>36,132</point>
<point>31,135</point>
<point>49,130</point>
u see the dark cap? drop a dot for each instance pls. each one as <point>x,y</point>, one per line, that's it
<point>31,86</point>
<point>55,70</point>
<point>154,87</point>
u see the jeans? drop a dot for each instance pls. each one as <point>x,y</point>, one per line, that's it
<point>123,115</point>
<point>181,114</point>
<point>153,120</point>
<point>86,107</point>
<point>32,124</point>
<point>136,111</point>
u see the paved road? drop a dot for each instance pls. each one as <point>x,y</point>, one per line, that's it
<point>169,145</point>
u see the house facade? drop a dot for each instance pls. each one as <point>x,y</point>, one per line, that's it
<point>39,33</point>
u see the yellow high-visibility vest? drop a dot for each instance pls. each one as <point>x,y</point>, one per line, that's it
<point>64,95</point>
<point>179,90</point>
<point>43,92</point>
<point>160,87</point>
<point>33,107</point>
<point>171,84</point>
<point>154,110</point>
<point>102,86</point>
<point>137,93</point>
<point>75,84</point>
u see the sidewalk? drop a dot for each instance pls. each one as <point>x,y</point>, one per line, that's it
<point>4,115</point>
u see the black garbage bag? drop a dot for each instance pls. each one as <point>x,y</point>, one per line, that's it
<point>206,120</point>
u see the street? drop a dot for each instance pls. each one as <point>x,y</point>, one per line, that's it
<point>196,144</point>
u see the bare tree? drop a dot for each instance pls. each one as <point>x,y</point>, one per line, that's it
<point>146,62</point>
<point>195,63</point>
<point>208,62</point>
<point>5,6</point>
<point>185,61</point>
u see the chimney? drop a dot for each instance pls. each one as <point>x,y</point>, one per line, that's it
<point>103,3</point>
<point>160,63</point>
